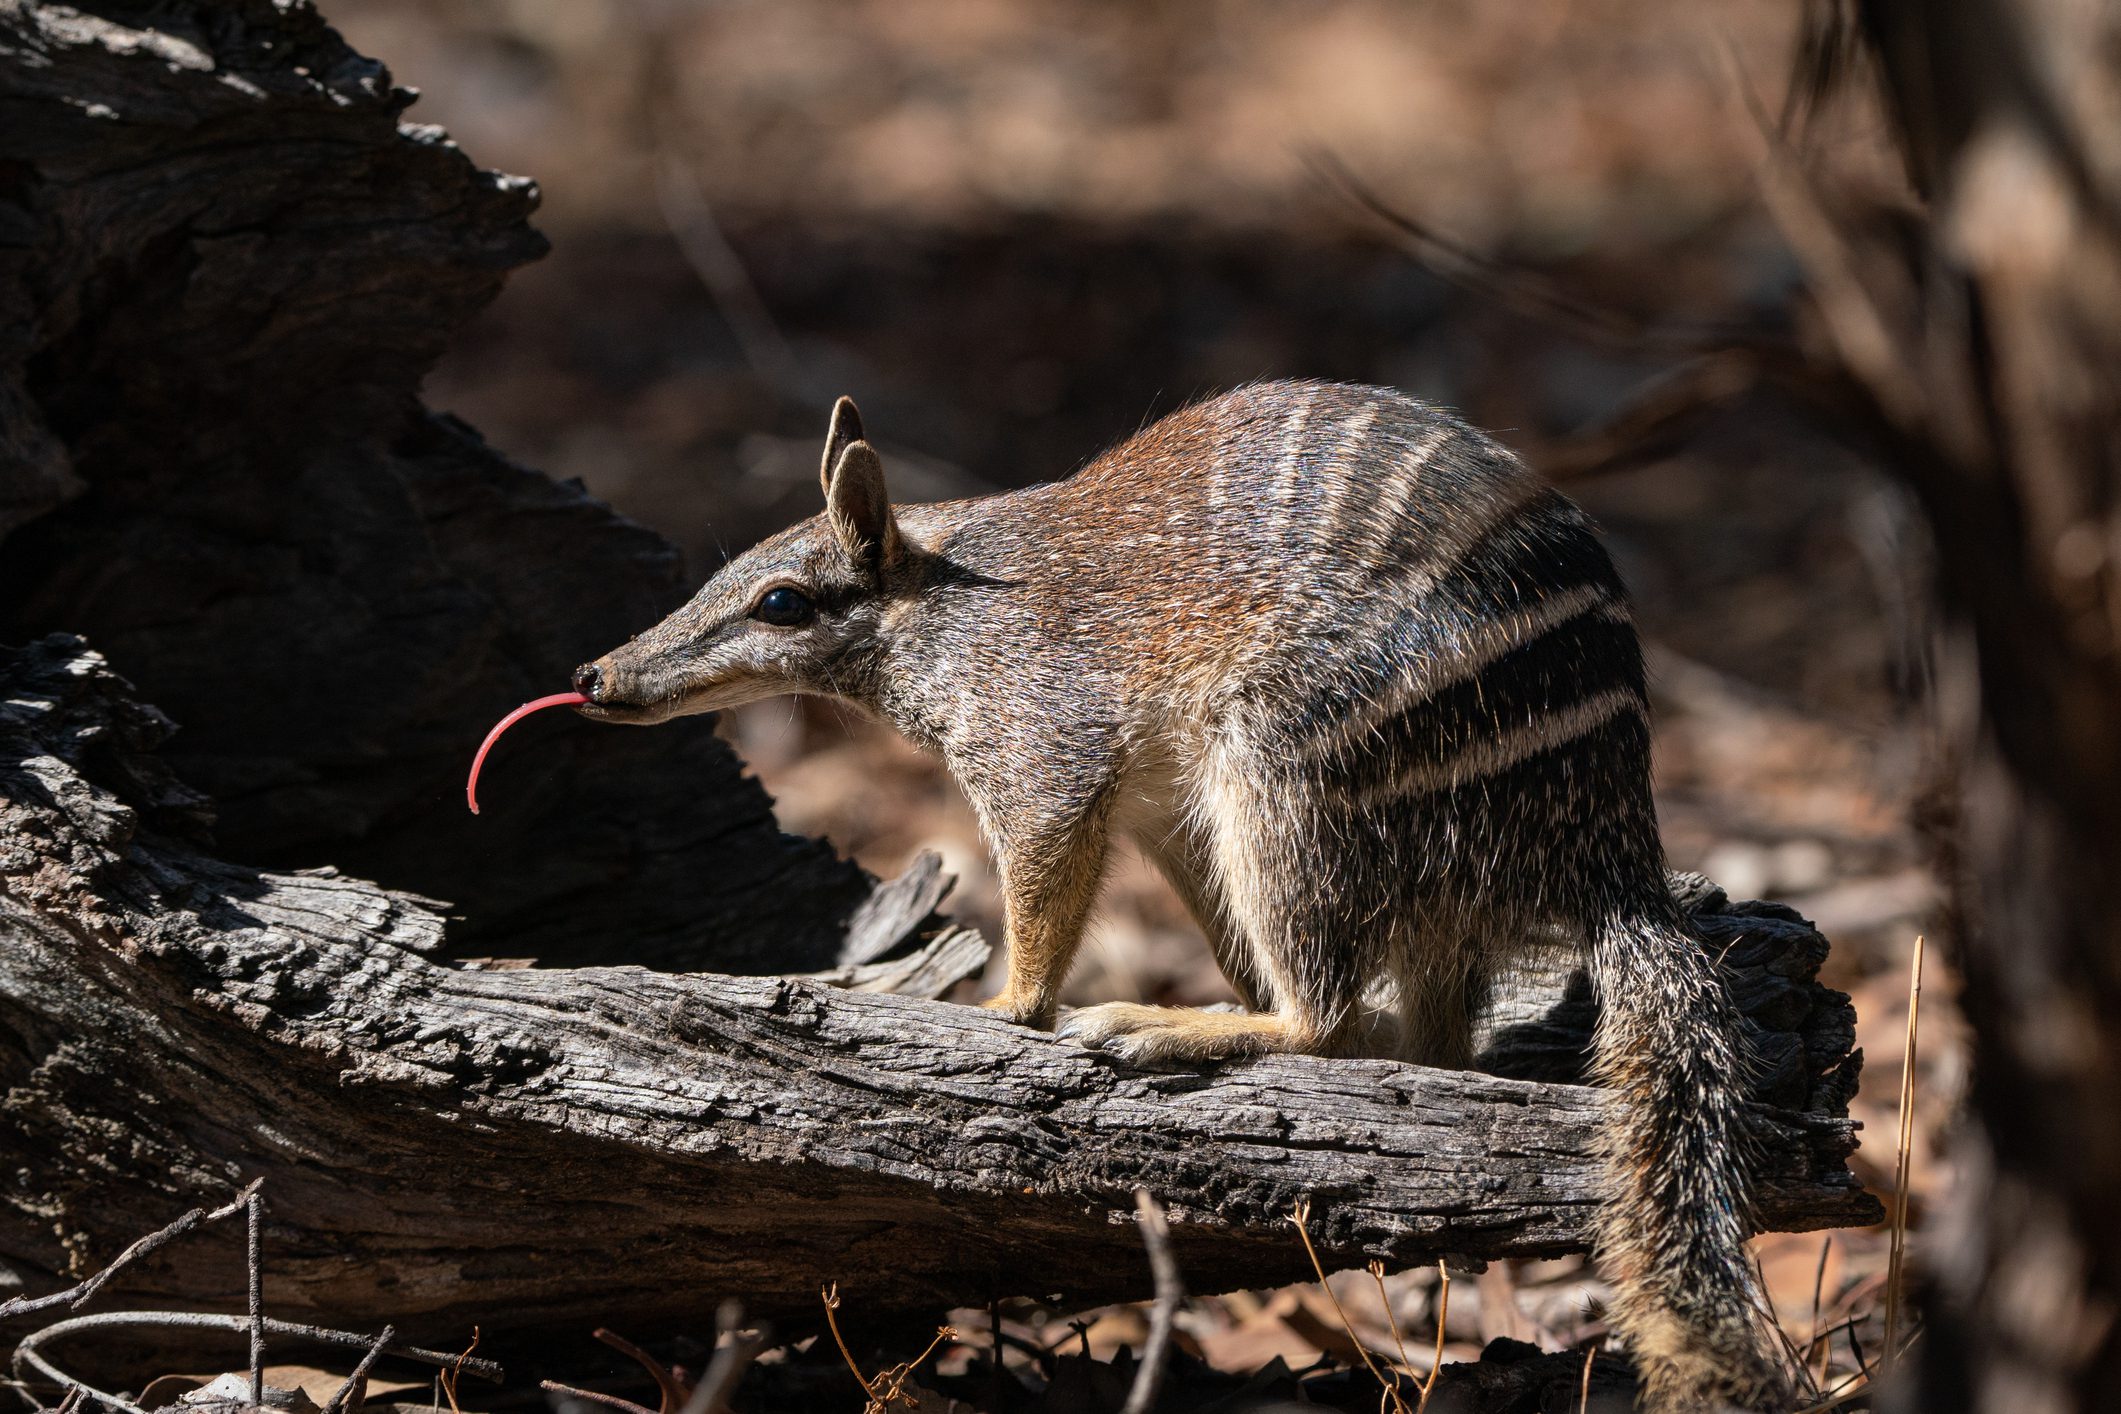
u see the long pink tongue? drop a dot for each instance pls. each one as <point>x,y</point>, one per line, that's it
<point>558,699</point>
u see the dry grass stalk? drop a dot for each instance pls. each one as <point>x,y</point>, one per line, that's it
<point>1813,1342</point>
<point>455,1371</point>
<point>893,1380</point>
<point>1443,1311</point>
<point>1896,1254</point>
<point>1859,1390</point>
<point>1799,1359</point>
<point>1384,1299</point>
<point>889,1386</point>
<point>1583,1391</point>
<point>673,1395</point>
<point>1301,1216</point>
<point>831,1297</point>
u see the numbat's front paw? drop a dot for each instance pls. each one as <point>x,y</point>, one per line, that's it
<point>1142,1034</point>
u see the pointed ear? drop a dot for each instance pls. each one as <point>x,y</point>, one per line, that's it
<point>846,428</point>
<point>860,509</point>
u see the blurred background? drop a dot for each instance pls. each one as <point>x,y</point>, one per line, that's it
<point>1014,233</point>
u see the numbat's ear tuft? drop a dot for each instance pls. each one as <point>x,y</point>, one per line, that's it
<point>846,429</point>
<point>860,508</point>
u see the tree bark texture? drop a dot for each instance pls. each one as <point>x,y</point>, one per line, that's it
<point>225,263</point>
<point>445,1144</point>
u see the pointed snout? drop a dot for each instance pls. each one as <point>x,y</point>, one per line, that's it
<point>619,691</point>
<point>640,686</point>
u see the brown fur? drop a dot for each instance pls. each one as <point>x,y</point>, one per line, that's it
<point>1366,692</point>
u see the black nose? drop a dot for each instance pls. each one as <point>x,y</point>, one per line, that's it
<point>587,679</point>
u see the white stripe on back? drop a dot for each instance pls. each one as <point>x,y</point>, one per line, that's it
<point>1509,748</point>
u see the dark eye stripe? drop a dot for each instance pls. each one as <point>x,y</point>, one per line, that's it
<point>784,607</point>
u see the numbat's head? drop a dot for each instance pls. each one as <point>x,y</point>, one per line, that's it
<point>798,613</point>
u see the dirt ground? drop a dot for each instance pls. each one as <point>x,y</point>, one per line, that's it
<point>1015,232</point>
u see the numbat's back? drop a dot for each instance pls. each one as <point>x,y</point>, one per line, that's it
<point>1364,689</point>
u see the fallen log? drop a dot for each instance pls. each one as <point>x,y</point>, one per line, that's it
<point>225,263</point>
<point>444,1144</point>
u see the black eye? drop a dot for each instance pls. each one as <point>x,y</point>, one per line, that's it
<point>784,607</point>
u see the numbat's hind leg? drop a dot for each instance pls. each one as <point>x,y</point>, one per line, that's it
<point>1286,939</point>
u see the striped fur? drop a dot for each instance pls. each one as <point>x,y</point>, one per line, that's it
<point>1366,691</point>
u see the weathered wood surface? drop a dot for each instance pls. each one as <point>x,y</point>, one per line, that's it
<point>225,263</point>
<point>445,1145</point>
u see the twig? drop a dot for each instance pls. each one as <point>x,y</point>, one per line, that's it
<point>30,1349</point>
<point>1524,291</point>
<point>79,1293</point>
<point>255,1211</point>
<point>360,1372</point>
<point>1583,1391</point>
<point>1653,421</point>
<point>700,241</point>
<point>1855,319</point>
<point>1301,1215</point>
<point>1443,1311</point>
<point>1897,1252</point>
<point>1717,362</point>
<point>732,1357</point>
<point>29,1352</point>
<point>589,1394</point>
<point>674,1395</point>
<point>1170,1295</point>
<point>69,1403</point>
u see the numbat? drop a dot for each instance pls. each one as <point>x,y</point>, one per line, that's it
<point>1369,695</point>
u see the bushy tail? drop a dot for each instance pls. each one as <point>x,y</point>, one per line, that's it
<point>1674,1225</point>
